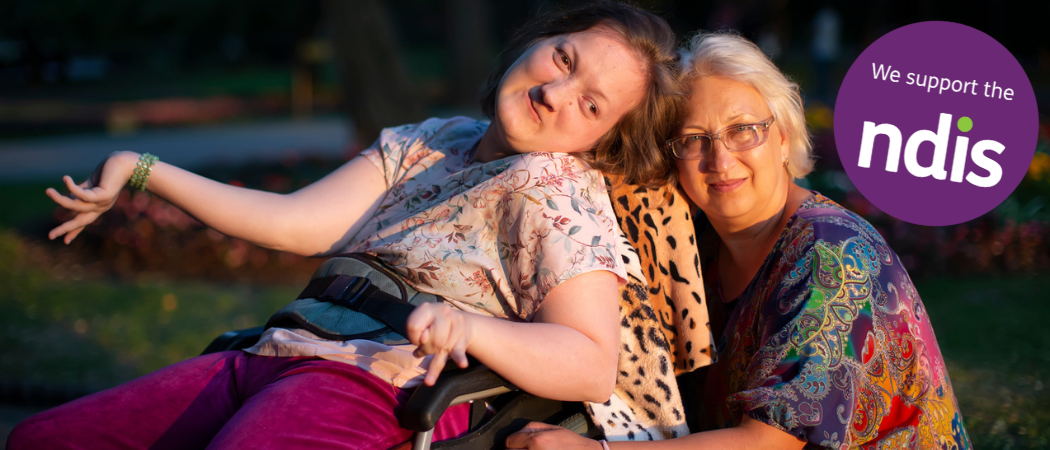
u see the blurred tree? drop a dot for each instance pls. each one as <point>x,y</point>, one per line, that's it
<point>376,91</point>
<point>154,35</point>
<point>471,49</point>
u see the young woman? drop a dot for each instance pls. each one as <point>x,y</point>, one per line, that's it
<point>509,221</point>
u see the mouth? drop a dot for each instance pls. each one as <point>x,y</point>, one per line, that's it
<point>532,107</point>
<point>727,185</point>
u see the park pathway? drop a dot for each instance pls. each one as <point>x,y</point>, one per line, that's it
<point>45,159</point>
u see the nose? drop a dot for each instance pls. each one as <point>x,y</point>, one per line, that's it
<point>720,159</point>
<point>556,94</point>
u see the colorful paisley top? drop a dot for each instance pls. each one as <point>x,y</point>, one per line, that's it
<point>831,343</point>
<point>494,238</point>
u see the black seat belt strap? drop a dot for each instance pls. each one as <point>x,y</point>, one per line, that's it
<point>359,294</point>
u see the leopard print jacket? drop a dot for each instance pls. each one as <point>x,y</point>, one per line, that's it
<point>664,329</point>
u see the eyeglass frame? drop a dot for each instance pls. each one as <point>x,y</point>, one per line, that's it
<point>717,136</point>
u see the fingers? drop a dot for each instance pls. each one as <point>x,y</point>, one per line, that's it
<point>440,330</point>
<point>518,440</point>
<point>66,227</point>
<point>71,185</point>
<point>432,327</point>
<point>418,322</point>
<point>524,437</point>
<point>538,426</point>
<point>543,436</point>
<point>82,192</point>
<point>54,195</point>
<point>437,364</point>
<point>459,353</point>
<point>424,337</point>
<point>66,202</point>
<point>73,235</point>
<point>72,227</point>
<point>72,204</point>
<point>87,203</point>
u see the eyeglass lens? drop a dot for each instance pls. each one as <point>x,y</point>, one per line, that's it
<point>737,138</point>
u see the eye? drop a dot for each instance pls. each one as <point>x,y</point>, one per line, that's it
<point>593,108</point>
<point>565,59</point>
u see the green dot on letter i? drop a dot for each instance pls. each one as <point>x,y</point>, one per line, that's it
<point>965,124</point>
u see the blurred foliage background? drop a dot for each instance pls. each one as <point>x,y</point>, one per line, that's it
<point>148,286</point>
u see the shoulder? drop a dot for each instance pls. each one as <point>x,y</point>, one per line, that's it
<point>458,133</point>
<point>558,179</point>
<point>821,220</point>
<point>821,240</point>
<point>828,217</point>
<point>564,166</point>
<point>555,186</point>
<point>457,130</point>
<point>439,126</point>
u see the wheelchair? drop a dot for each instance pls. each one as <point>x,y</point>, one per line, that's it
<point>498,408</point>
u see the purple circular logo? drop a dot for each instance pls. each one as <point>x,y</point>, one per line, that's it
<point>936,123</point>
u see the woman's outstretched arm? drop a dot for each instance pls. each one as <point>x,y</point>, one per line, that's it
<point>315,220</point>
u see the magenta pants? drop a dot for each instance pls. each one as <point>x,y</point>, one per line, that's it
<point>235,400</point>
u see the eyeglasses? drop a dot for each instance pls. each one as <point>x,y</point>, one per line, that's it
<point>736,138</point>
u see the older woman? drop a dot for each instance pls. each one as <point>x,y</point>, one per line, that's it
<point>824,340</point>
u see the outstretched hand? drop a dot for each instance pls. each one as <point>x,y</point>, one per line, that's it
<point>540,436</point>
<point>92,197</point>
<point>442,331</point>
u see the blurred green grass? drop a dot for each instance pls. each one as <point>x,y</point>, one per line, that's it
<point>993,336</point>
<point>96,333</point>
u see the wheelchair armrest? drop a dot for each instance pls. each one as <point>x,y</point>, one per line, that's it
<point>234,340</point>
<point>455,386</point>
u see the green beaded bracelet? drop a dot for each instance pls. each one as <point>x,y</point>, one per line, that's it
<point>142,171</point>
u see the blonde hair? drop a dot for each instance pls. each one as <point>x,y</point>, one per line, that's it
<point>729,55</point>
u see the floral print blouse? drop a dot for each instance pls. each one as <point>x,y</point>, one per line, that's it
<point>494,238</point>
<point>830,342</point>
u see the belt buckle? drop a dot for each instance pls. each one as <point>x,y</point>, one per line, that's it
<point>347,290</point>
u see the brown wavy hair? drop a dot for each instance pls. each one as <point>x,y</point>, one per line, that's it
<point>634,146</point>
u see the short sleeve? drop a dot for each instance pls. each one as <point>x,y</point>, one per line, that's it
<point>393,147</point>
<point>406,151</point>
<point>558,224</point>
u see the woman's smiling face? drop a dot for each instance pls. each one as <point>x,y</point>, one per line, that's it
<point>743,186</point>
<point>565,92</point>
